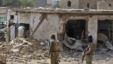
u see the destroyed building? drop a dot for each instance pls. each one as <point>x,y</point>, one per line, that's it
<point>75,23</point>
<point>85,17</point>
<point>71,20</point>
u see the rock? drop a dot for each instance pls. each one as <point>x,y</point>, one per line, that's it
<point>104,39</point>
<point>22,51</point>
<point>77,45</point>
<point>109,45</point>
<point>42,43</point>
<point>14,50</point>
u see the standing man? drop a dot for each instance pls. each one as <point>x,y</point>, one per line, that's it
<point>12,27</point>
<point>54,50</point>
<point>88,52</point>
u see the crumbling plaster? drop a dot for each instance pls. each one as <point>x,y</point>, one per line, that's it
<point>55,23</point>
<point>74,4</point>
<point>83,4</point>
<point>105,4</point>
<point>24,18</point>
<point>49,26</point>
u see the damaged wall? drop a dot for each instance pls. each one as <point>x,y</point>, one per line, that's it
<point>49,26</point>
<point>84,4</point>
<point>105,4</point>
<point>74,4</point>
<point>88,4</point>
<point>56,23</point>
<point>24,18</point>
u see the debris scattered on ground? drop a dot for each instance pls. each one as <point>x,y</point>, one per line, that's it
<point>104,41</point>
<point>23,51</point>
<point>26,51</point>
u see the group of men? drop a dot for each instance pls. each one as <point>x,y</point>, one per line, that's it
<point>13,29</point>
<point>55,50</point>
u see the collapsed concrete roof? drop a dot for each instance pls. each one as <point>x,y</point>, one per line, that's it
<point>65,11</point>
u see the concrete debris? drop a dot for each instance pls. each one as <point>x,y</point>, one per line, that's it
<point>26,51</point>
<point>23,51</point>
<point>76,45</point>
<point>72,43</point>
<point>109,45</point>
<point>104,39</point>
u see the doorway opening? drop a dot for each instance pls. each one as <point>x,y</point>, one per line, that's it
<point>105,27</point>
<point>76,29</point>
<point>26,30</point>
<point>105,33</point>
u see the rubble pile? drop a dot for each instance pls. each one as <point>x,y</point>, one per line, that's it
<point>3,51</point>
<point>27,51</point>
<point>23,51</point>
<point>104,42</point>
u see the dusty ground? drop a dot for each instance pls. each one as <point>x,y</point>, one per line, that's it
<point>35,52</point>
<point>98,58</point>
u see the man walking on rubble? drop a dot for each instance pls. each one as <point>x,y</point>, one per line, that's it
<point>54,50</point>
<point>88,52</point>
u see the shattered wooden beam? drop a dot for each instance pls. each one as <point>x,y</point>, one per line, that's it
<point>42,17</point>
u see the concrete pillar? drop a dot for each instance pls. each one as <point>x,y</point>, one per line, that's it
<point>93,27</point>
<point>32,21</point>
<point>61,30</point>
<point>7,27</point>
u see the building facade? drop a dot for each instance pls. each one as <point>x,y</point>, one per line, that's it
<point>83,4</point>
<point>75,23</point>
<point>105,4</point>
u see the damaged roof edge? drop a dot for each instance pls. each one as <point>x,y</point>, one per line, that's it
<point>65,11</point>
